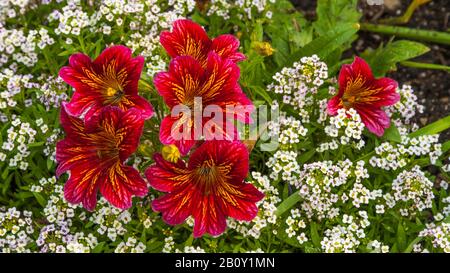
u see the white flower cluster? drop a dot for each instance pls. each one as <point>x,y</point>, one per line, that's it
<point>347,127</point>
<point>297,83</point>
<point>446,209</point>
<point>377,247</point>
<point>320,184</point>
<point>411,192</point>
<point>295,226</point>
<point>267,208</point>
<point>404,110</point>
<point>10,9</point>
<point>50,144</point>
<point>248,8</point>
<point>57,210</point>
<point>111,221</point>
<point>16,227</point>
<point>13,84</point>
<point>391,156</point>
<point>21,46</point>
<point>16,148</point>
<point>57,238</point>
<point>190,249</point>
<point>169,245</point>
<point>52,92</point>
<point>346,237</point>
<point>287,131</point>
<point>286,164</point>
<point>71,18</point>
<point>439,234</point>
<point>132,245</point>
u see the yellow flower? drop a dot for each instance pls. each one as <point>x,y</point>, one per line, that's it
<point>263,48</point>
<point>171,153</point>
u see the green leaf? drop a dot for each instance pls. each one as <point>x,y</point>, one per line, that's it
<point>411,245</point>
<point>98,248</point>
<point>36,144</point>
<point>332,13</point>
<point>189,241</point>
<point>325,45</point>
<point>446,146</point>
<point>401,237</point>
<point>288,203</point>
<point>392,134</point>
<point>384,59</point>
<point>433,128</point>
<point>315,238</point>
<point>41,200</point>
<point>306,156</point>
<point>426,65</point>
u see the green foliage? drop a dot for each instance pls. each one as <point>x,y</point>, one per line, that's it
<point>385,58</point>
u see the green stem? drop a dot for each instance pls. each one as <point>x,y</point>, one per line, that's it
<point>425,65</point>
<point>414,34</point>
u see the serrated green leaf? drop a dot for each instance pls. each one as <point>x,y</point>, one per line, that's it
<point>332,13</point>
<point>384,59</point>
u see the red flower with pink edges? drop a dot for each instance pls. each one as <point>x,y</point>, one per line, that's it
<point>94,151</point>
<point>111,79</point>
<point>190,39</point>
<point>216,84</point>
<point>210,187</point>
<point>359,89</point>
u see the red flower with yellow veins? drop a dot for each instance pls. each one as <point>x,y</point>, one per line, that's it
<point>359,89</point>
<point>94,151</point>
<point>216,85</point>
<point>111,79</point>
<point>210,187</point>
<point>190,39</point>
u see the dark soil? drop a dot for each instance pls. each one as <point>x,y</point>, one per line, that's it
<point>432,86</point>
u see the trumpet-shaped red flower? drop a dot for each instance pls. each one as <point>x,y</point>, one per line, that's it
<point>359,89</point>
<point>216,85</point>
<point>111,79</point>
<point>190,39</point>
<point>94,153</point>
<point>210,187</point>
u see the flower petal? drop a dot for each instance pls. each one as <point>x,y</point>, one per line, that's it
<point>186,39</point>
<point>334,105</point>
<point>233,155</point>
<point>175,207</point>
<point>122,182</point>
<point>165,176</point>
<point>82,186</point>
<point>226,46</point>
<point>376,120</point>
<point>238,201</point>
<point>208,217</point>
<point>181,82</point>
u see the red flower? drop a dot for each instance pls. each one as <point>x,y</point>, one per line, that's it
<point>190,39</point>
<point>359,89</point>
<point>210,187</point>
<point>111,79</point>
<point>216,84</point>
<point>93,152</point>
